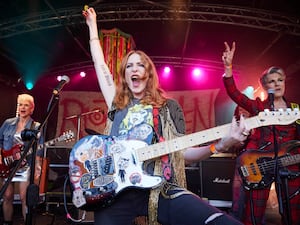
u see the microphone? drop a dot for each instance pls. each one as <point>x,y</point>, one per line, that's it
<point>271,98</point>
<point>63,81</point>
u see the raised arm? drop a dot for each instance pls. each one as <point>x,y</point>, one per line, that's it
<point>227,58</point>
<point>104,76</point>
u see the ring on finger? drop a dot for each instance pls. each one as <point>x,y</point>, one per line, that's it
<point>245,133</point>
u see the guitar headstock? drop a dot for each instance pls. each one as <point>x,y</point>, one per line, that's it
<point>67,136</point>
<point>280,117</point>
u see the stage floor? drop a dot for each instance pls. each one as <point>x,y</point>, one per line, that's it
<point>56,215</point>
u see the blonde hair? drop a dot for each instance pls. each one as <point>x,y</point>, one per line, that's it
<point>25,97</point>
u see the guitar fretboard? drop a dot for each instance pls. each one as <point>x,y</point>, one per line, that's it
<point>205,136</point>
<point>290,160</point>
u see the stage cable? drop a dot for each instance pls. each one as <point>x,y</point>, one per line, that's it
<point>69,217</point>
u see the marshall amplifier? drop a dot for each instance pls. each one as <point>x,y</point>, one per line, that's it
<point>213,179</point>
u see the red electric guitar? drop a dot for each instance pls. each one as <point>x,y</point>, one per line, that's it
<point>9,157</point>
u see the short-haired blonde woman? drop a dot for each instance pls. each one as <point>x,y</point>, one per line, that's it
<point>10,138</point>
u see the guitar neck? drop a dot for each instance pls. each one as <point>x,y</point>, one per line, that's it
<point>48,143</point>
<point>290,160</point>
<point>198,138</point>
<point>265,118</point>
<point>177,144</point>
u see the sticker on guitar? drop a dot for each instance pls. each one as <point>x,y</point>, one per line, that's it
<point>10,157</point>
<point>101,166</point>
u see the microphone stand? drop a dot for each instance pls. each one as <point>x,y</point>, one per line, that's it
<point>79,116</point>
<point>32,194</point>
<point>280,179</point>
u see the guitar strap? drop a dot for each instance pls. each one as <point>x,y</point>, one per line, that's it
<point>165,159</point>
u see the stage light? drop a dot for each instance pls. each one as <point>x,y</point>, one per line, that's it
<point>197,75</point>
<point>82,74</point>
<point>166,72</point>
<point>58,78</point>
<point>167,69</point>
<point>29,85</point>
<point>249,92</point>
<point>197,72</point>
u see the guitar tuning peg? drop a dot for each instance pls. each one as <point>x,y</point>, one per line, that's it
<point>267,111</point>
<point>289,110</point>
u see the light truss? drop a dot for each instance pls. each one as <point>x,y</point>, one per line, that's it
<point>159,61</point>
<point>194,12</point>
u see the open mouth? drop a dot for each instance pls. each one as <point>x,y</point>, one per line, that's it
<point>134,78</point>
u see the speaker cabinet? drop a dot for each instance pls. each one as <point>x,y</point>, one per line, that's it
<point>212,179</point>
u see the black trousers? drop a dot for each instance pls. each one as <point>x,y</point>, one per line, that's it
<point>187,209</point>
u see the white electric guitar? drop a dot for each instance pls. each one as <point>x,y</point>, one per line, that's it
<point>102,166</point>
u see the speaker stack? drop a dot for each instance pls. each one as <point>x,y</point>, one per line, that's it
<point>212,179</point>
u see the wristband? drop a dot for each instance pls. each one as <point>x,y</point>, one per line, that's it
<point>213,149</point>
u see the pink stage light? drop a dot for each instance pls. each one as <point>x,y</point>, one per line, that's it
<point>58,78</point>
<point>197,72</point>
<point>167,69</point>
<point>82,74</point>
<point>166,72</point>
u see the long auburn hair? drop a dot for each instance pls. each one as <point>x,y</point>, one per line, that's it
<point>154,94</point>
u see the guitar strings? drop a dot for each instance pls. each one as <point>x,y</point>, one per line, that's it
<point>270,164</point>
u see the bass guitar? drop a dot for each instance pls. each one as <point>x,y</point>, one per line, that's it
<point>100,167</point>
<point>9,157</point>
<point>258,167</point>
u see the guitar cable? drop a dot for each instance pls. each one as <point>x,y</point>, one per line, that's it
<point>69,217</point>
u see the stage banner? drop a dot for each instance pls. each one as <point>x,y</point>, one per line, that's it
<point>115,44</point>
<point>87,111</point>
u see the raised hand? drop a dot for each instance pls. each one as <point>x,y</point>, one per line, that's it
<point>90,15</point>
<point>228,54</point>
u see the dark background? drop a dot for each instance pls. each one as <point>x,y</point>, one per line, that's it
<point>40,39</point>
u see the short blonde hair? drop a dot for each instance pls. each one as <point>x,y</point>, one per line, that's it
<point>272,69</point>
<point>26,97</point>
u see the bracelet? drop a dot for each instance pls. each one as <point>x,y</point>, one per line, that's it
<point>228,67</point>
<point>213,149</point>
<point>94,39</point>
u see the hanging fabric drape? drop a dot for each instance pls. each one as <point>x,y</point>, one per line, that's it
<point>116,44</point>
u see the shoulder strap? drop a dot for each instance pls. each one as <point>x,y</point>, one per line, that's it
<point>34,125</point>
<point>156,123</point>
<point>165,159</point>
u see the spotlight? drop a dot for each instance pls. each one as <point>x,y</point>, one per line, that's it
<point>82,74</point>
<point>167,69</point>
<point>196,72</point>
<point>29,85</point>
